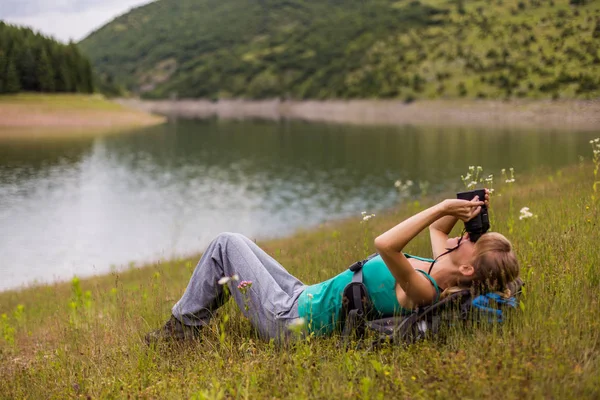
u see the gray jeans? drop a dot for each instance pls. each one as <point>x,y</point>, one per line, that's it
<point>270,303</point>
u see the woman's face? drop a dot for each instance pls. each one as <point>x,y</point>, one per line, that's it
<point>464,254</point>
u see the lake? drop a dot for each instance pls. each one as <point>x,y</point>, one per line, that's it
<point>89,205</point>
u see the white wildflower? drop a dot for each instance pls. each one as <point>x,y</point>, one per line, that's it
<point>398,183</point>
<point>368,217</point>
<point>224,280</point>
<point>363,213</point>
<point>525,213</point>
<point>466,177</point>
<point>479,168</point>
<point>409,183</point>
<point>235,277</point>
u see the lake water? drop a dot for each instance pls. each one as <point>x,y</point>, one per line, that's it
<point>83,206</point>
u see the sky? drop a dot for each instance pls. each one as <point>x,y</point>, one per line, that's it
<point>64,19</point>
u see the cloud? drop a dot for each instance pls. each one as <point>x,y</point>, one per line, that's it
<point>29,8</point>
<point>65,19</point>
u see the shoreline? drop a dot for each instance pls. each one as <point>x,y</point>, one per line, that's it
<point>546,114</point>
<point>41,115</point>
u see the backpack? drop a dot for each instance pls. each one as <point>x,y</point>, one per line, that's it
<point>358,315</point>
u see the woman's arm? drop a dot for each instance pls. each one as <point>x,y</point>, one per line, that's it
<point>391,243</point>
<point>439,231</point>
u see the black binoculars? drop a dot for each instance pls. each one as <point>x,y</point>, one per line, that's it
<point>480,224</point>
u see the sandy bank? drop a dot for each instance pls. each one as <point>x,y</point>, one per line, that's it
<point>39,114</point>
<point>565,114</point>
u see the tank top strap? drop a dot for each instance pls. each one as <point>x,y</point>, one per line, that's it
<point>419,258</point>
<point>433,282</point>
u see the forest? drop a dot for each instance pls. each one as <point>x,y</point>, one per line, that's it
<point>309,49</point>
<point>32,62</point>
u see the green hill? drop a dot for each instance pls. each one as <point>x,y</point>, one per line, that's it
<point>353,49</point>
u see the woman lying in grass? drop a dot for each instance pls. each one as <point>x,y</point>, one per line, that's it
<point>397,282</point>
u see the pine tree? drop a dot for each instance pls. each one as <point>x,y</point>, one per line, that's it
<point>45,72</point>
<point>88,79</point>
<point>63,76</point>
<point>12,82</point>
<point>2,70</point>
<point>26,68</point>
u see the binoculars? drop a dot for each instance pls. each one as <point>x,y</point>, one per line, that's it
<point>480,224</point>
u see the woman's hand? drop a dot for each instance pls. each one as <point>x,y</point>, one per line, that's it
<point>463,209</point>
<point>487,197</point>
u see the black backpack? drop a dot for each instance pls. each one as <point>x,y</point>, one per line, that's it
<point>359,316</point>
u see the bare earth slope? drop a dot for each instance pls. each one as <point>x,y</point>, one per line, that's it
<point>570,114</point>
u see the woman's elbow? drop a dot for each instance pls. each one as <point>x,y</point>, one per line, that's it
<point>381,244</point>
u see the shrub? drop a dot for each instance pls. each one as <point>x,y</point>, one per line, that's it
<point>462,89</point>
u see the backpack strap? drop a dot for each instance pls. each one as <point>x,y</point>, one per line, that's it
<point>357,295</point>
<point>417,326</point>
<point>356,303</point>
<point>357,266</point>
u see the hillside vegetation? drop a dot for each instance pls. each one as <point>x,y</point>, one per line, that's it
<point>353,49</point>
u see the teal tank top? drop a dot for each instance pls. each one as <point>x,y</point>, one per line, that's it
<point>321,304</point>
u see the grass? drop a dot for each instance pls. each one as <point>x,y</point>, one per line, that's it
<point>61,102</point>
<point>31,116</point>
<point>84,338</point>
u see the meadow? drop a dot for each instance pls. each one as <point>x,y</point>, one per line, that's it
<point>60,102</point>
<point>36,114</point>
<point>84,338</point>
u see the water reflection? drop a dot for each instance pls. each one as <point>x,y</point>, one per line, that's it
<point>78,206</point>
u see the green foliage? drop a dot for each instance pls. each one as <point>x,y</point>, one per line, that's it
<point>12,83</point>
<point>45,73</point>
<point>32,62</point>
<point>8,331</point>
<point>362,49</point>
<point>80,303</point>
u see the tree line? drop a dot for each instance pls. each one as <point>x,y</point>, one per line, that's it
<point>32,62</point>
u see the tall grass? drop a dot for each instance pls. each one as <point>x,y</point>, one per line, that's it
<point>60,102</point>
<point>84,338</point>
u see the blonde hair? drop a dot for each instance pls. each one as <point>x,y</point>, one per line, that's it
<point>495,265</point>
